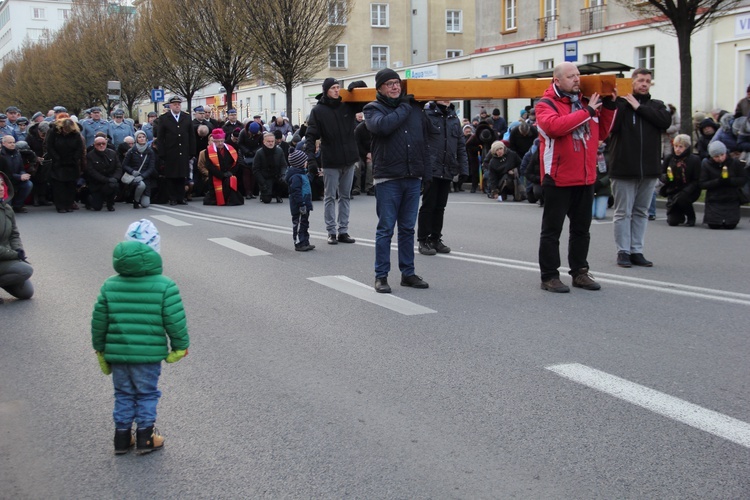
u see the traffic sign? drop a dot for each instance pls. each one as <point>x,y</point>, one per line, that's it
<point>157,95</point>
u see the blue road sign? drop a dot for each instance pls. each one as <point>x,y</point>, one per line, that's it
<point>157,95</point>
<point>571,51</point>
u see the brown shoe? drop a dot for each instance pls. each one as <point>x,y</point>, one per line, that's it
<point>555,285</point>
<point>585,280</point>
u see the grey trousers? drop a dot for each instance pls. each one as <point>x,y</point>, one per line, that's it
<point>14,278</point>
<point>632,199</point>
<point>337,181</point>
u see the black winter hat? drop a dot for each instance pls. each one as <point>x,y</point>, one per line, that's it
<point>328,83</point>
<point>384,75</point>
<point>359,84</point>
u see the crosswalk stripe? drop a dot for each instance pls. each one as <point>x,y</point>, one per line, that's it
<point>239,247</point>
<point>171,220</point>
<point>691,414</point>
<point>367,293</point>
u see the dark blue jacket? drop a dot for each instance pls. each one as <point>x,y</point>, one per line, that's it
<point>446,142</point>
<point>300,192</point>
<point>399,139</point>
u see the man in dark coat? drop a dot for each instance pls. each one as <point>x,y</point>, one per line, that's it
<point>176,147</point>
<point>634,163</point>
<point>103,172</point>
<point>333,122</point>
<point>401,161</point>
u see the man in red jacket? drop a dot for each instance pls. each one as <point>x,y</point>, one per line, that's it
<point>570,128</point>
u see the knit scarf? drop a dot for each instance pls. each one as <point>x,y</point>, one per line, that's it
<point>582,132</point>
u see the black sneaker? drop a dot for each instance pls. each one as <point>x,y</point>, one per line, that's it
<point>332,239</point>
<point>555,285</point>
<point>345,238</point>
<point>413,281</point>
<point>439,246</point>
<point>381,285</point>
<point>426,249</point>
<point>637,259</point>
<point>304,248</point>
<point>623,259</point>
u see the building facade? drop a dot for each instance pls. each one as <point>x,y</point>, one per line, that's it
<point>30,20</point>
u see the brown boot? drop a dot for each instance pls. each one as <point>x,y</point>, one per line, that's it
<point>148,440</point>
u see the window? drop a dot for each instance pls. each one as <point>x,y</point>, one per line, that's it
<point>63,14</point>
<point>36,34</point>
<point>600,3</point>
<point>4,16</point>
<point>337,12</point>
<point>379,56</point>
<point>453,53</point>
<point>37,13</point>
<point>337,56</point>
<point>644,58</point>
<point>550,8</point>
<point>509,15</point>
<point>260,104</point>
<point>273,102</point>
<point>379,15</point>
<point>453,21</point>
<point>547,64</point>
<point>591,58</point>
<point>506,69</point>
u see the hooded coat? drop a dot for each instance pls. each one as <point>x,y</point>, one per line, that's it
<point>10,239</point>
<point>722,207</point>
<point>137,309</point>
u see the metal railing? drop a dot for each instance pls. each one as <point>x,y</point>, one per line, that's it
<point>593,19</point>
<point>548,28</point>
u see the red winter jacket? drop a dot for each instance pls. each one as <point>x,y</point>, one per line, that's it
<point>568,161</point>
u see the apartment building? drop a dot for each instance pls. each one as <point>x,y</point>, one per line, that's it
<point>29,20</point>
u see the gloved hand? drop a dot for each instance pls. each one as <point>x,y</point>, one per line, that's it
<point>175,356</point>
<point>106,367</point>
<point>303,209</point>
<point>112,182</point>
<point>407,98</point>
<point>227,175</point>
<point>137,179</point>
<point>21,254</point>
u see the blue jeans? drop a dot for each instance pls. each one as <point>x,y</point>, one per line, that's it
<point>599,210</point>
<point>136,394</point>
<point>23,190</point>
<point>396,201</point>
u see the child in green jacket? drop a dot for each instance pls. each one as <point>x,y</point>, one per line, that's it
<point>137,310</point>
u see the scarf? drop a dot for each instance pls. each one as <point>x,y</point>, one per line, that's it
<point>391,103</point>
<point>140,148</point>
<point>213,157</point>
<point>583,132</point>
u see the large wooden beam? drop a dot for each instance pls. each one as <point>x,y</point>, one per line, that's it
<point>529,88</point>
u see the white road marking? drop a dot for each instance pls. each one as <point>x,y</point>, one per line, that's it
<point>691,414</point>
<point>367,293</point>
<point>488,260</point>
<point>171,220</point>
<point>239,247</point>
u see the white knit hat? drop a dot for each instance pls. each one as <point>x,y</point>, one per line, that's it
<point>145,232</point>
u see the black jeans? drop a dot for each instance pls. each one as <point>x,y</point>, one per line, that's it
<point>575,202</point>
<point>176,188</point>
<point>434,200</point>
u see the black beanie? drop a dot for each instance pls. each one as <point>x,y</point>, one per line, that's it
<point>328,83</point>
<point>359,84</point>
<point>384,75</point>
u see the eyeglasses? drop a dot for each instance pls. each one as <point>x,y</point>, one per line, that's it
<point>393,84</point>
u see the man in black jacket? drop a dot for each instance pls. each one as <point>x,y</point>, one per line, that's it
<point>634,161</point>
<point>333,122</point>
<point>400,162</point>
<point>176,145</point>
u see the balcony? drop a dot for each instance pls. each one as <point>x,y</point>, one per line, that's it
<point>593,19</point>
<point>548,28</point>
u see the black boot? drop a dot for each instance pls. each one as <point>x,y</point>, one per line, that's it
<point>148,440</point>
<point>124,440</point>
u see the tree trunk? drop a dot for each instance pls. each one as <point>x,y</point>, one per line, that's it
<point>288,90</point>
<point>230,90</point>
<point>686,81</point>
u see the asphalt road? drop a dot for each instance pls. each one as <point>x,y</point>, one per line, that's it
<point>302,382</point>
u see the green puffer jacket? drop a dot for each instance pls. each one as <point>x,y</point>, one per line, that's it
<point>136,308</point>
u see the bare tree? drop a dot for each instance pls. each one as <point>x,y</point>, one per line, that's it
<point>294,38</point>
<point>684,18</point>
<point>127,65</point>
<point>208,36</point>
<point>167,67</point>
